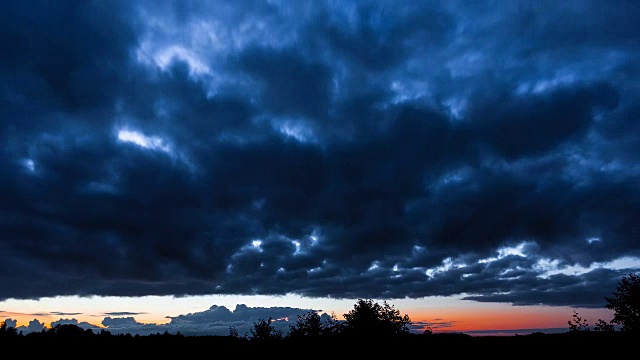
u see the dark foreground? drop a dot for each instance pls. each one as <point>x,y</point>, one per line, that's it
<point>571,345</point>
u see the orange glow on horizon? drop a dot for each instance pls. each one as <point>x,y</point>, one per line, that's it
<point>23,319</point>
<point>513,318</point>
<point>441,315</point>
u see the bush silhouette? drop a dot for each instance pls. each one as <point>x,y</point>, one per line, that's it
<point>578,324</point>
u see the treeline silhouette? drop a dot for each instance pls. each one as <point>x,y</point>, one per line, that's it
<point>369,327</point>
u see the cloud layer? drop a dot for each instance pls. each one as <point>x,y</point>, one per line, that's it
<point>323,149</point>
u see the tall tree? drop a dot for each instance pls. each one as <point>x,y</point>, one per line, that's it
<point>625,302</point>
<point>263,331</point>
<point>369,318</point>
<point>308,325</point>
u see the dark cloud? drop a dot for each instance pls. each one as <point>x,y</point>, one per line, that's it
<point>375,37</point>
<point>342,150</point>
<point>123,313</point>
<point>287,84</point>
<point>34,326</point>
<point>515,126</point>
<point>58,313</point>
<point>65,58</point>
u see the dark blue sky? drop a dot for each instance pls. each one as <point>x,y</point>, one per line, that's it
<point>368,149</point>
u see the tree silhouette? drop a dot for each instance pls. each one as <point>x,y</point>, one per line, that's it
<point>625,302</point>
<point>311,325</point>
<point>368,318</point>
<point>333,326</point>
<point>308,325</point>
<point>603,326</point>
<point>578,324</point>
<point>104,333</point>
<point>263,331</point>
<point>69,330</point>
<point>233,332</point>
<point>6,330</point>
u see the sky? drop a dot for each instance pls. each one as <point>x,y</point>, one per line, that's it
<point>195,165</point>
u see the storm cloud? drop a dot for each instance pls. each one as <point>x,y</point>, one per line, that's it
<point>323,149</point>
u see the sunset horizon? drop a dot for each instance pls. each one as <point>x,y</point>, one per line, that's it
<point>196,167</point>
<point>438,315</point>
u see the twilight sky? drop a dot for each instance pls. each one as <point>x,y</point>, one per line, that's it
<point>486,150</point>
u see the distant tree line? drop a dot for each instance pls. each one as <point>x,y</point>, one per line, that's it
<point>72,331</point>
<point>367,320</point>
